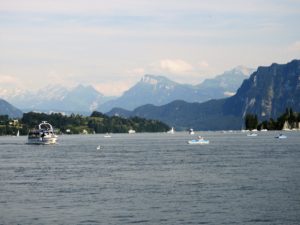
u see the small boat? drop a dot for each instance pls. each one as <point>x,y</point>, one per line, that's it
<point>172,131</point>
<point>18,133</point>
<point>42,135</point>
<point>252,135</point>
<point>98,147</point>
<point>107,136</point>
<point>281,136</point>
<point>199,141</point>
<point>191,132</point>
<point>131,131</point>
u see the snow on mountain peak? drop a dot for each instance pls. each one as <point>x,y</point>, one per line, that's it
<point>243,69</point>
<point>149,79</point>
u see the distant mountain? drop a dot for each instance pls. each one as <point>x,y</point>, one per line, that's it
<point>226,84</point>
<point>152,89</point>
<point>159,90</point>
<point>36,100</point>
<point>266,93</point>
<point>8,109</point>
<point>81,99</point>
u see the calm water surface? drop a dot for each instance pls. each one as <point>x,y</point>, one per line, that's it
<point>151,179</point>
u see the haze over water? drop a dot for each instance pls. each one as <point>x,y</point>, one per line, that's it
<point>151,179</point>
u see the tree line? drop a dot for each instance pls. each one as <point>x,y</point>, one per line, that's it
<point>289,119</point>
<point>97,122</point>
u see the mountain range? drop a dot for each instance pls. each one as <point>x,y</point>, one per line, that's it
<point>80,99</point>
<point>157,90</point>
<point>267,93</point>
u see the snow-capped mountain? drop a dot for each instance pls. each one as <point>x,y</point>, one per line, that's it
<point>267,93</point>
<point>226,84</point>
<point>80,99</point>
<point>159,90</point>
<point>151,89</point>
<point>34,100</point>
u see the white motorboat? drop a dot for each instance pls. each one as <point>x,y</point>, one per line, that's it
<point>43,135</point>
<point>131,131</point>
<point>107,136</point>
<point>281,136</point>
<point>252,135</point>
<point>199,141</point>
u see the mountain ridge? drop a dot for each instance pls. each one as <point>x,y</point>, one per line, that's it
<point>79,99</point>
<point>152,89</point>
<point>159,90</point>
<point>228,113</point>
<point>8,109</point>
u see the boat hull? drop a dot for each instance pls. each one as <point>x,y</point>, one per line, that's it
<point>41,141</point>
<point>281,137</point>
<point>198,142</point>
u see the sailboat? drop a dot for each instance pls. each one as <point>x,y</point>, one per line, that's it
<point>171,131</point>
<point>191,132</point>
<point>18,133</point>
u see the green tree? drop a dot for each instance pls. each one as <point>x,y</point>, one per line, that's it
<point>251,122</point>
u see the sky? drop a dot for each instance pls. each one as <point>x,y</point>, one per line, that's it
<point>112,44</point>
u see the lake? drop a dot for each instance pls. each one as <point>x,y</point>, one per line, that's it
<point>152,179</point>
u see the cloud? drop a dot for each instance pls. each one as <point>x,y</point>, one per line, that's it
<point>65,79</point>
<point>229,94</point>
<point>96,41</point>
<point>8,81</point>
<point>203,64</point>
<point>139,7</point>
<point>295,47</point>
<point>136,72</point>
<point>176,66</point>
<point>115,88</point>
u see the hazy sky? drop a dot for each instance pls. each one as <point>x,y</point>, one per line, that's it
<point>112,44</point>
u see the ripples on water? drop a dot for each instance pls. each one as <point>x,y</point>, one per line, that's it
<point>151,179</point>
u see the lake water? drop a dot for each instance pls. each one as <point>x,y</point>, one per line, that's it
<point>151,179</point>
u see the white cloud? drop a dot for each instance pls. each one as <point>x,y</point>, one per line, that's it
<point>9,81</point>
<point>295,47</point>
<point>136,72</point>
<point>203,64</point>
<point>229,94</point>
<point>115,88</point>
<point>176,66</point>
<point>96,41</point>
<point>65,79</point>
